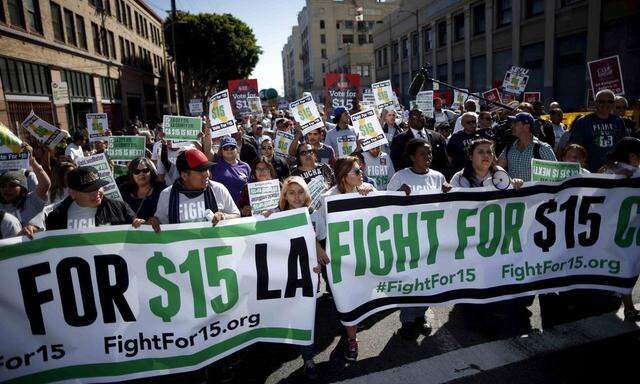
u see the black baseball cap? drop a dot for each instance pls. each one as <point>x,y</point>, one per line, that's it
<point>85,179</point>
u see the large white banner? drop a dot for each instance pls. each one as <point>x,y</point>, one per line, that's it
<point>481,245</point>
<point>114,303</point>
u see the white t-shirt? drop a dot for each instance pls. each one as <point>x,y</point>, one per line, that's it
<point>30,209</point>
<point>430,182</point>
<point>321,218</point>
<point>193,210</point>
<point>169,177</point>
<point>155,152</point>
<point>9,226</point>
<point>74,151</point>
<point>81,217</point>
<point>459,181</point>
<point>380,169</point>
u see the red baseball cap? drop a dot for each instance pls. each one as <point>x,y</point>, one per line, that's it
<point>192,160</point>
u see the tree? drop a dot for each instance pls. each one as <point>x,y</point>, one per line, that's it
<point>212,49</point>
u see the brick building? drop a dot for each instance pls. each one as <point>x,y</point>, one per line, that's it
<point>110,53</point>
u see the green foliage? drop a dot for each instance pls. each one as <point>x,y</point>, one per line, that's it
<point>212,49</point>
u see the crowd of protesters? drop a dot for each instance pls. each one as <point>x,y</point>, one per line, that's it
<point>207,181</point>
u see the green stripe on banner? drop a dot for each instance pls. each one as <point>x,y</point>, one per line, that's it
<point>149,237</point>
<point>151,364</point>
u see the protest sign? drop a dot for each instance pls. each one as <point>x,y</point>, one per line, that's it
<point>43,131</point>
<point>119,169</point>
<point>342,90</point>
<point>255,105</point>
<point>11,154</point>
<point>424,99</point>
<point>368,100</point>
<point>545,170</point>
<point>606,73</point>
<point>493,95</point>
<point>317,187</point>
<point>153,303</point>
<point>383,94</point>
<point>195,107</point>
<point>531,97</point>
<point>369,128</point>
<point>346,145</point>
<point>100,163</point>
<point>126,147</point>
<point>305,112</point>
<point>239,91</point>
<point>515,80</point>
<point>503,244</point>
<point>60,92</point>
<point>97,126</point>
<point>221,115</point>
<point>283,141</point>
<point>459,97</point>
<point>181,128</point>
<point>264,195</point>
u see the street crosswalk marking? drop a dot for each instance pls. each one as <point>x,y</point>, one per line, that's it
<point>468,361</point>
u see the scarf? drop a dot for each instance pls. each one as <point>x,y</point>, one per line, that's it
<point>174,199</point>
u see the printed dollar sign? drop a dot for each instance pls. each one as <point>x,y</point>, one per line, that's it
<point>546,240</point>
<point>173,292</point>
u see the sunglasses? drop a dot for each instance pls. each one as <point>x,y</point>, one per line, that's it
<point>605,101</point>
<point>139,171</point>
<point>267,148</point>
<point>356,172</point>
<point>305,153</point>
<point>228,148</point>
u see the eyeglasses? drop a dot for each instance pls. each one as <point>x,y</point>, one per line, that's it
<point>228,148</point>
<point>267,148</point>
<point>139,171</point>
<point>356,172</point>
<point>305,153</point>
<point>609,101</point>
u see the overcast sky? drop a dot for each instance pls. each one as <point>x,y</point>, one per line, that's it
<point>271,21</point>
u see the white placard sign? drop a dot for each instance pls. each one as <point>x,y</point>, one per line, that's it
<point>383,94</point>
<point>43,131</point>
<point>515,80</point>
<point>424,99</point>
<point>195,107</point>
<point>97,126</point>
<point>221,115</point>
<point>369,128</point>
<point>306,113</point>
<point>264,195</point>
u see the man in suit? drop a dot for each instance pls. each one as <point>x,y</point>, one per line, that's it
<point>417,124</point>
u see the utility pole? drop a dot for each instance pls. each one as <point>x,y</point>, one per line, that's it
<point>180,100</point>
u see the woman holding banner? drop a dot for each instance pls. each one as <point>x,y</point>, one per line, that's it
<point>295,194</point>
<point>142,189</point>
<point>262,170</point>
<point>348,180</point>
<point>480,167</point>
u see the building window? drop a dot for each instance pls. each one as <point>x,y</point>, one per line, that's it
<point>118,13</point>
<point>385,57</point>
<point>107,7</point>
<point>129,21</point>
<point>504,12</point>
<point>80,84</point>
<point>104,41</point>
<point>33,15</point>
<point>427,35</point>
<point>347,39</point>
<point>478,19</point>
<point>478,73</point>
<point>370,39</point>
<point>414,44</point>
<point>16,13</point>
<point>112,45</point>
<point>396,51</point>
<point>442,34</point>
<point>458,27</point>
<point>323,39</point>
<point>70,27</point>
<point>441,72</point>
<point>323,53</point>
<point>348,24</point>
<point>2,17</point>
<point>337,25</point>
<point>82,35</point>
<point>458,73</point>
<point>56,20</point>
<point>405,47</point>
<point>122,51</point>
<point>21,77</point>
<point>533,8</point>
<point>362,39</point>
<point>96,38</point>
<point>321,24</point>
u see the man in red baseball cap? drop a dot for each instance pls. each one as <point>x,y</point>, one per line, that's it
<point>193,197</point>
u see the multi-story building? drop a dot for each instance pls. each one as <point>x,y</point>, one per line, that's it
<point>110,53</point>
<point>332,36</point>
<point>471,43</point>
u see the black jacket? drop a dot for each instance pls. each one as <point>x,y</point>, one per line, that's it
<point>440,160</point>
<point>112,212</point>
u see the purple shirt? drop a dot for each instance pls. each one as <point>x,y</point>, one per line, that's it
<point>232,176</point>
